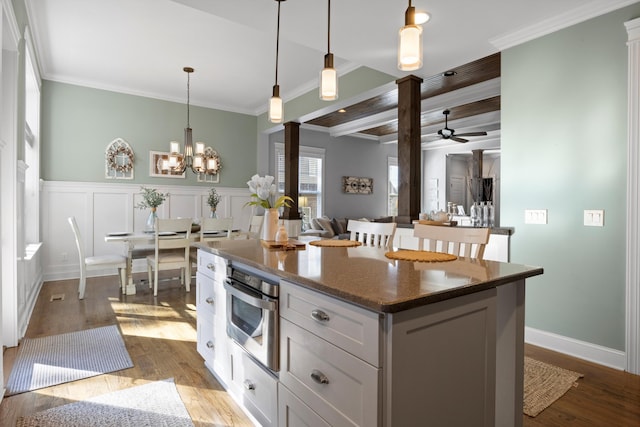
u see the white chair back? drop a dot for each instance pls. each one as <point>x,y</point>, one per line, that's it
<point>208,225</point>
<point>460,241</point>
<point>98,262</point>
<point>379,234</point>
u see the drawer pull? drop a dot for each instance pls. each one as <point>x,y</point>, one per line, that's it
<point>209,300</point>
<point>211,266</point>
<point>319,377</point>
<point>249,385</point>
<point>320,316</point>
<point>210,344</point>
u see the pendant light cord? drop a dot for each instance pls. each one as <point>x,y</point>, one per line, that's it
<point>188,90</point>
<point>329,26</point>
<point>278,40</point>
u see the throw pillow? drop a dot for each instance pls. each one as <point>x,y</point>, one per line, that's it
<point>325,224</point>
<point>337,226</point>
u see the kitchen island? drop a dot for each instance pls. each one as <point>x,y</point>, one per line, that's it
<point>366,340</point>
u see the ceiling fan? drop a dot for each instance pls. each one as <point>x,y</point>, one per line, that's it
<point>446,133</point>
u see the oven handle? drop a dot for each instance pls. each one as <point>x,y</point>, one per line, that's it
<point>256,302</point>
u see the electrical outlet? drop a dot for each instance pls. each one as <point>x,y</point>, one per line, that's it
<point>594,218</point>
<point>535,216</point>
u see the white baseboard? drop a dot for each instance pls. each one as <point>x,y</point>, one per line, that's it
<point>583,350</point>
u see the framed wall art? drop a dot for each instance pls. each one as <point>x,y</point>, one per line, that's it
<point>357,185</point>
<point>155,166</point>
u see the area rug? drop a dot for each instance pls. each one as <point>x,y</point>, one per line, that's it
<point>154,404</point>
<point>544,384</point>
<point>57,359</point>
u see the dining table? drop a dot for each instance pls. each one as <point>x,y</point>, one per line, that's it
<point>141,244</point>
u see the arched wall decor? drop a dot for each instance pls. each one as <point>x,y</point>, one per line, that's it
<point>119,160</point>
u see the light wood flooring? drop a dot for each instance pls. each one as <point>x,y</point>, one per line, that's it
<point>160,334</point>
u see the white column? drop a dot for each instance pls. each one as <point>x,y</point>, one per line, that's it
<point>632,343</point>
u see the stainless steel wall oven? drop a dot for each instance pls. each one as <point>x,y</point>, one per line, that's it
<point>252,313</point>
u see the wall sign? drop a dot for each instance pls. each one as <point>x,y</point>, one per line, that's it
<point>357,185</point>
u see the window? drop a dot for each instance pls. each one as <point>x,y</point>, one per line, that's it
<point>392,186</point>
<point>310,180</point>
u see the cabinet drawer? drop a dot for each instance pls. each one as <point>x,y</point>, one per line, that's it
<point>338,386</point>
<point>211,265</point>
<point>206,298</point>
<point>349,327</point>
<point>254,387</point>
<point>292,412</point>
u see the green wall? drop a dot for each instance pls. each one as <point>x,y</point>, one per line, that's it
<point>564,136</point>
<point>78,123</point>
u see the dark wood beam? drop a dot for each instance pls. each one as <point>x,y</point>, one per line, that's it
<point>291,166</point>
<point>409,151</point>
<point>476,176</point>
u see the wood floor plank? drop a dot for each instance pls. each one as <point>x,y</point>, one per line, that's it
<point>160,335</point>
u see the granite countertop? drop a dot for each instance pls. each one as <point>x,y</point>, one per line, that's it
<point>365,277</point>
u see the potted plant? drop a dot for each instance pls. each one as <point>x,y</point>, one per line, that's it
<point>212,201</point>
<point>151,198</point>
<point>263,192</point>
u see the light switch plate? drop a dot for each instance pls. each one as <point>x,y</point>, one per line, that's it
<point>594,217</point>
<point>535,216</point>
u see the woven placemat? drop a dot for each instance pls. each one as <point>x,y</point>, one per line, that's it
<point>421,256</point>
<point>335,243</point>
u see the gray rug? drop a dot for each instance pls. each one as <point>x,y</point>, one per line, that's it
<point>57,359</point>
<point>154,404</point>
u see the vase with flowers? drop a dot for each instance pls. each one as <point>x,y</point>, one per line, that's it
<point>212,201</point>
<point>263,194</point>
<point>151,199</point>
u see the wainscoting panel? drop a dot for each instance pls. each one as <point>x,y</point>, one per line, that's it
<point>103,207</point>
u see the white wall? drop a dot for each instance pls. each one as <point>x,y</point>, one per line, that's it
<point>100,208</point>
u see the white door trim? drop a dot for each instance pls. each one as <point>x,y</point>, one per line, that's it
<point>632,342</point>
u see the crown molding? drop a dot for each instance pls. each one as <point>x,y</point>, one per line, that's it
<point>559,22</point>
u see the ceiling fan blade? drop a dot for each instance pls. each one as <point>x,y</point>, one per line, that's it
<point>458,139</point>
<point>472,134</point>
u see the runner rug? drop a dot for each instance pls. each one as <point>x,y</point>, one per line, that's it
<point>57,359</point>
<point>153,404</point>
<point>544,384</point>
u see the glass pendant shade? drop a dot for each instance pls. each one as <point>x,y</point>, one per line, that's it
<point>328,80</point>
<point>276,112</point>
<point>410,48</point>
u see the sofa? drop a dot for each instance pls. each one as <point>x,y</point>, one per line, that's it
<point>328,228</point>
<point>335,228</point>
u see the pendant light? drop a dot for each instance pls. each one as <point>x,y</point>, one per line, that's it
<point>276,111</point>
<point>410,42</point>
<point>328,75</point>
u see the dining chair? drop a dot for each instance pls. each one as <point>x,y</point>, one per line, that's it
<point>209,226</point>
<point>379,234</point>
<point>97,262</point>
<point>171,251</point>
<point>255,227</point>
<point>459,241</point>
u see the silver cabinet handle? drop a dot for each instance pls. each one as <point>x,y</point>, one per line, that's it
<point>249,385</point>
<point>209,300</point>
<point>319,377</point>
<point>210,344</point>
<point>320,316</point>
<point>211,266</point>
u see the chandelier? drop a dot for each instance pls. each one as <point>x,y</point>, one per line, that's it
<point>205,160</point>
